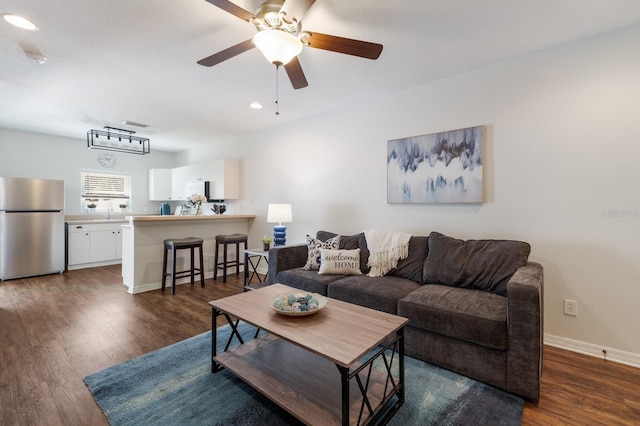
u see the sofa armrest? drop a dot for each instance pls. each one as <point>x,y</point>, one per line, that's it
<point>286,257</point>
<point>525,316</point>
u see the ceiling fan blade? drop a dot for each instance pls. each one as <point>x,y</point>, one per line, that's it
<point>363,49</point>
<point>232,9</point>
<point>294,71</point>
<point>296,9</point>
<point>223,55</point>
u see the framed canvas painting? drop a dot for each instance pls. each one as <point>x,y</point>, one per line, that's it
<point>441,167</point>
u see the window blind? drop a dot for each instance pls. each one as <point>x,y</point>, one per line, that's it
<point>101,185</point>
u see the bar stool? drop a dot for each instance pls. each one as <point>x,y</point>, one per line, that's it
<point>225,240</point>
<point>178,244</point>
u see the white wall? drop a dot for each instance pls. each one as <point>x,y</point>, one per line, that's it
<point>36,155</point>
<point>562,144</point>
<point>562,147</point>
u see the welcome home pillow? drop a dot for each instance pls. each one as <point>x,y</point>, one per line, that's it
<point>314,245</point>
<point>343,262</point>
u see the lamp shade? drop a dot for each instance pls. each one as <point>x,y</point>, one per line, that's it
<point>278,46</point>
<point>279,213</point>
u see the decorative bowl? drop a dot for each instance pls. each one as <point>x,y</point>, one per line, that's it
<point>297,304</point>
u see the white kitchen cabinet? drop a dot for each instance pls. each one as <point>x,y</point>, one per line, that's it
<point>160,184</point>
<point>79,245</point>
<point>119,244</point>
<point>199,172</point>
<point>94,244</point>
<point>223,177</point>
<point>180,177</point>
<point>224,180</point>
<point>103,246</point>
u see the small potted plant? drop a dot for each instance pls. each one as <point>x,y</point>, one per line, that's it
<point>266,242</point>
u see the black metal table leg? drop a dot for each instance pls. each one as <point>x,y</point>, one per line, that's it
<point>400,334</point>
<point>394,387</point>
<point>215,367</point>
<point>246,271</point>
<point>344,377</point>
<point>251,266</point>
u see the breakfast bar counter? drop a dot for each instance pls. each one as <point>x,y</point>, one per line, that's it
<point>178,218</point>
<point>143,244</point>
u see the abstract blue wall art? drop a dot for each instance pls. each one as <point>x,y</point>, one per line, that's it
<point>441,167</point>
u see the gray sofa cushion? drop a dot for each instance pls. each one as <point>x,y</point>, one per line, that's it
<point>411,267</point>
<point>305,280</point>
<point>481,264</point>
<point>350,242</point>
<point>464,314</point>
<point>380,293</point>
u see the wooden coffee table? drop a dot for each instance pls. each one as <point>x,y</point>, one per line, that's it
<point>294,364</point>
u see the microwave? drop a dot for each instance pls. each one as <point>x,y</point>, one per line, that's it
<point>198,187</point>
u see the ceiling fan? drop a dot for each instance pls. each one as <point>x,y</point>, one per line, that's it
<point>280,37</point>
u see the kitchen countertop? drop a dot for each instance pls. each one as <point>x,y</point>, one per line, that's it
<point>91,221</point>
<point>171,218</point>
<point>158,218</point>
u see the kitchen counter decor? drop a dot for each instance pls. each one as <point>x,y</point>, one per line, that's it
<point>197,200</point>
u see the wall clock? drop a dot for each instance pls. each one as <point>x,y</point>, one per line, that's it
<point>106,159</point>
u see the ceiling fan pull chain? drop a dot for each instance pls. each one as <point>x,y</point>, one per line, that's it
<point>277,106</point>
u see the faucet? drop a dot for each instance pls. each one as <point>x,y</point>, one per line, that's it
<point>109,209</point>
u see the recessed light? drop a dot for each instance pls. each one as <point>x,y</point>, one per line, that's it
<point>20,22</point>
<point>255,105</point>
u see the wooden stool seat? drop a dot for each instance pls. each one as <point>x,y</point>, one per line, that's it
<point>173,245</point>
<point>225,240</point>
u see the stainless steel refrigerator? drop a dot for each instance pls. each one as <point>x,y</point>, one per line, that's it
<point>31,227</point>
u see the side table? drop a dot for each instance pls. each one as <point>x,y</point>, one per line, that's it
<point>252,259</point>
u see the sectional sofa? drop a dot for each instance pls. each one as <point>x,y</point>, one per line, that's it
<point>474,307</point>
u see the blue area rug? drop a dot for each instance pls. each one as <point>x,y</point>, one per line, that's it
<point>174,386</point>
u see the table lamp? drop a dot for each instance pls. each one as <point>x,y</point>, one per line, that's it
<point>279,213</point>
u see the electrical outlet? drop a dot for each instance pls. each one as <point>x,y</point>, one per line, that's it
<point>570,307</point>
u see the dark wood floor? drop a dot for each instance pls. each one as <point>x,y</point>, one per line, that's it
<point>56,329</point>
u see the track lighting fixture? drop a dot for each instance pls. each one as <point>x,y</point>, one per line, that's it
<point>131,144</point>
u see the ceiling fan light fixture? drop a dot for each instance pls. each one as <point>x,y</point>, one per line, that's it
<point>278,46</point>
<point>20,22</point>
<point>37,57</point>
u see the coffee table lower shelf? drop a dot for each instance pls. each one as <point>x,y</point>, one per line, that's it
<point>303,383</point>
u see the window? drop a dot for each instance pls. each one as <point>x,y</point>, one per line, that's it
<point>102,192</point>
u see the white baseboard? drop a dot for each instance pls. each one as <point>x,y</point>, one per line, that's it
<point>207,275</point>
<point>185,280</point>
<point>94,264</point>
<point>615,355</point>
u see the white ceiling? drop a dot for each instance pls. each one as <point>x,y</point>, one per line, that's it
<point>117,60</point>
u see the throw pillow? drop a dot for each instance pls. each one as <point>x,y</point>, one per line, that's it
<point>344,262</point>
<point>314,245</point>
<point>351,242</point>
<point>481,264</point>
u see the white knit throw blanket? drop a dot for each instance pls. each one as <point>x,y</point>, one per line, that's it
<point>385,249</point>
